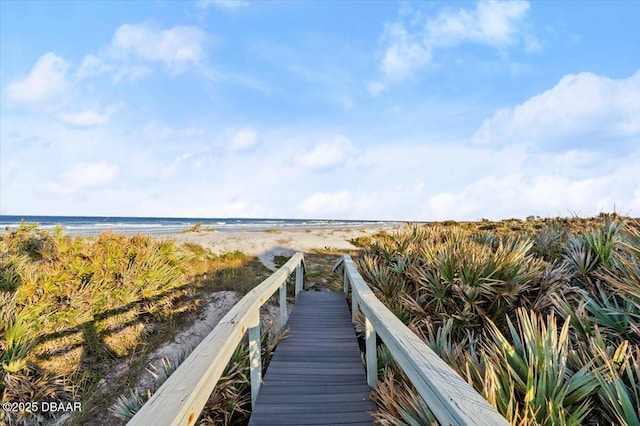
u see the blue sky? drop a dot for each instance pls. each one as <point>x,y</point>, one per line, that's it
<point>349,110</point>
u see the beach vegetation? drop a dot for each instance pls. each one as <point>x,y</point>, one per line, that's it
<point>197,227</point>
<point>79,316</point>
<point>230,402</point>
<point>542,317</point>
<point>273,231</point>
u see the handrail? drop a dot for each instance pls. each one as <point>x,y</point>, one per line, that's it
<point>183,395</point>
<point>452,400</point>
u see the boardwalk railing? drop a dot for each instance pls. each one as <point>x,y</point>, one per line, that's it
<point>182,397</point>
<point>452,400</point>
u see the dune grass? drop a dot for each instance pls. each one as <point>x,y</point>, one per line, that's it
<point>542,317</point>
<point>79,316</point>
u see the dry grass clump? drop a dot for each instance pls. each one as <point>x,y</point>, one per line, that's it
<point>399,404</point>
<point>541,316</point>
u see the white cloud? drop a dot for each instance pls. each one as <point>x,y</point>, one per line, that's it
<point>46,79</point>
<point>92,174</point>
<point>406,51</point>
<point>494,23</point>
<point>111,60</point>
<point>326,154</point>
<point>413,176</point>
<point>410,43</point>
<point>177,47</point>
<point>583,107</point>
<point>243,139</point>
<point>583,165</point>
<point>224,4</point>
<point>171,169</point>
<point>92,65</point>
<point>542,192</point>
<point>154,131</point>
<point>136,46</point>
<point>376,87</point>
<point>400,181</point>
<point>87,118</point>
<point>130,72</point>
<point>326,204</point>
<point>84,176</point>
<point>531,43</point>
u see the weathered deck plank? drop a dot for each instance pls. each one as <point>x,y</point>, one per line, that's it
<point>316,376</point>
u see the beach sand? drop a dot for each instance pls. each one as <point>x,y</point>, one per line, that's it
<point>268,244</point>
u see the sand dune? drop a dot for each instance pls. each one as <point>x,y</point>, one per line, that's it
<point>267,244</point>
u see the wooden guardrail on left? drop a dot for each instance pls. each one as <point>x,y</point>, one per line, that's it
<point>182,397</point>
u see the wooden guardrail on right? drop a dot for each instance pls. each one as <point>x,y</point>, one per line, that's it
<point>451,399</point>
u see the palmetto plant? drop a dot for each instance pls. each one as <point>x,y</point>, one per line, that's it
<point>605,241</point>
<point>21,381</point>
<point>53,283</point>
<point>399,404</point>
<point>486,299</point>
<point>620,387</point>
<point>74,279</point>
<point>548,242</point>
<point>528,373</point>
<point>624,273</point>
<point>17,336</point>
<point>616,318</point>
<point>128,404</point>
<point>617,368</point>
<point>590,252</point>
<point>446,274</point>
<point>579,256</point>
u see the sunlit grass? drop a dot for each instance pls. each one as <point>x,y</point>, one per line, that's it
<point>75,308</point>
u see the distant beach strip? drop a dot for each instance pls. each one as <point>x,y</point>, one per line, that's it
<point>91,226</point>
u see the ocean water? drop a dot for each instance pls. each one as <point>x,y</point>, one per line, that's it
<point>90,226</point>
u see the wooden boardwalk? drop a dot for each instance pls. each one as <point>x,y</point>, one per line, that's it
<point>316,376</point>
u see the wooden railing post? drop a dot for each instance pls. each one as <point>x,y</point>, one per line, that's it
<point>255,361</point>
<point>371,353</point>
<point>354,304</point>
<point>346,281</point>
<point>283,305</point>
<point>299,278</point>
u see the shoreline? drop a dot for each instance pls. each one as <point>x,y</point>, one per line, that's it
<point>92,226</point>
